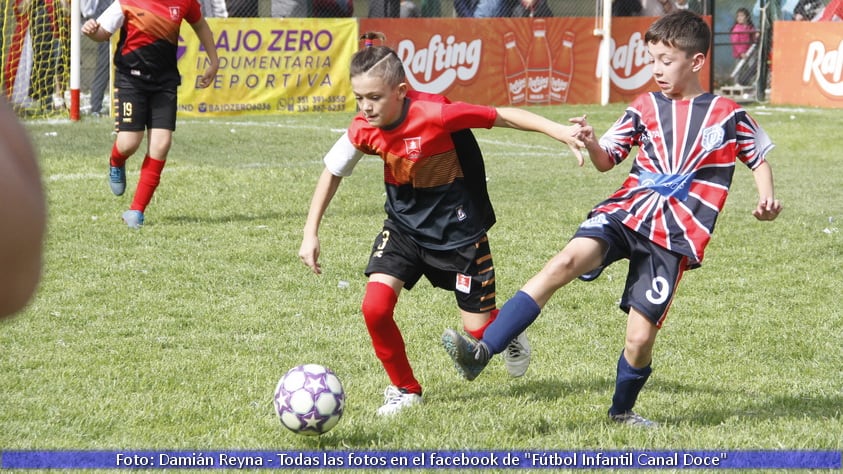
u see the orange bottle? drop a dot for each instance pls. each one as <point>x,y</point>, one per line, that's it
<point>515,71</point>
<point>563,70</point>
<point>538,66</point>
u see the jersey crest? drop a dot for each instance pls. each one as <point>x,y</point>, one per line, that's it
<point>712,137</point>
<point>413,147</point>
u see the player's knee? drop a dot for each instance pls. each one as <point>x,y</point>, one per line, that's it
<point>378,304</point>
<point>562,268</point>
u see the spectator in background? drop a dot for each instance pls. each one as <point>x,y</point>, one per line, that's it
<point>312,8</point>
<point>92,9</point>
<point>806,10</point>
<point>512,8</point>
<point>289,8</point>
<point>656,7</point>
<point>212,8</point>
<point>743,34</point>
<point>242,8</point>
<point>690,5</point>
<point>384,8</point>
<point>465,8</point>
<point>832,12</point>
<point>47,43</point>
<point>409,9</point>
<point>626,7</point>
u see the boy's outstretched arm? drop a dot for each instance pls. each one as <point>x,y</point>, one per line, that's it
<point>521,119</point>
<point>768,207</point>
<point>599,157</point>
<point>326,187</point>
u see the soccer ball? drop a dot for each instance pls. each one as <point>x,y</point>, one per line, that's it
<point>309,399</point>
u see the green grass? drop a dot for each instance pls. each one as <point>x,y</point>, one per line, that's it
<point>174,336</point>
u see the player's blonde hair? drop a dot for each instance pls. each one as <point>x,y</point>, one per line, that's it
<point>378,60</point>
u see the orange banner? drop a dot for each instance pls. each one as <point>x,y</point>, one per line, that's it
<point>519,61</point>
<point>807,67</point>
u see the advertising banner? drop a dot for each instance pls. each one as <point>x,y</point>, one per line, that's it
<point>301,65</point>
<point>269,66</point>
<point>519,61</point>
<point>807,66</point>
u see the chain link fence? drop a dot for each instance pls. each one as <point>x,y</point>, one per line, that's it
<point>750,74</point>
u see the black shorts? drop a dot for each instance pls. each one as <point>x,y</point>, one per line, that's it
<point>138,106</point>
<point>654,272</point>
<point>467,271</point>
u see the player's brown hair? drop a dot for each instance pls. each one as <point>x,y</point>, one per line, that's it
<point>378,60</point>
<point>683,30</point>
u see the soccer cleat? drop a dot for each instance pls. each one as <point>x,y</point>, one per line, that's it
<point>516,356</point>
<point>630,418</point>
<point>133,219</point>
<point>117,179</point>
<point>396,399</point>
<point>470,358</point>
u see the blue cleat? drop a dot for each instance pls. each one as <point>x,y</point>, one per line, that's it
<point>470,358</point>
<point>117,179</point>
<point>133,219</point>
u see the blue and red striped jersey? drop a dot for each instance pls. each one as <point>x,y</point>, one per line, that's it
<point>687,150</point>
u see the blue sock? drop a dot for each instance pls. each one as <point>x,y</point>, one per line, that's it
<point>628,385</point>
<point>516,314</point>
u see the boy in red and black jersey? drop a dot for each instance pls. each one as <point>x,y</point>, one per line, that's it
<point>146,83</point>
<point>438,210</point>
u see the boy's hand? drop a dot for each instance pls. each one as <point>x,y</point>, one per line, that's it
<point>309,254</point>
<point>571,138</point>
<point>767,209</point>
<point>586,133</point>
<point>90,27</point>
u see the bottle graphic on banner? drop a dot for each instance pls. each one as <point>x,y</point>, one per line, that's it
<point>515,71</point>
<point>538,65</point>
<point>563,70</point>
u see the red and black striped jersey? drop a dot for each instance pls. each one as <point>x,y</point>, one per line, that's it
<point>687,150</point>
<point>149,37</point>
<point>433,171</point>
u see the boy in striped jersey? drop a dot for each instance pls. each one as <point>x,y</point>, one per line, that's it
<point>663,215</point>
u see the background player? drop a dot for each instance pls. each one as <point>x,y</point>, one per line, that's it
<point>437,207</point>
<point>146,82</point>
<point>661,218</point>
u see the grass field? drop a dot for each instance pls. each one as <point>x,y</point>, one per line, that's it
<point>173,337</point>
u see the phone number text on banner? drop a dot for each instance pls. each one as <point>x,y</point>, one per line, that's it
<point>421,459</point>
<point>269,66</point>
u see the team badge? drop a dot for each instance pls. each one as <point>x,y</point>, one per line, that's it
<point>712,137</point>
<point>413,147</point>
<point>461,215</point>
<point>463,283</point>
<point>175,13</point>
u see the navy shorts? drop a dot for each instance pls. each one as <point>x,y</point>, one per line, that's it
<point>139,107</point>
<point>654,272</point>
<point>467,271</point>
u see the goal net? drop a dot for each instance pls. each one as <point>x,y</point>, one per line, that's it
<point>36,55</point>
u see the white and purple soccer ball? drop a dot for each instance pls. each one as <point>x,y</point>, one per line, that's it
<point>309,399</point>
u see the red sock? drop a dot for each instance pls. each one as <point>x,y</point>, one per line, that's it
<point>150,176</point>
<point>116,158</point>
<point>478,333</point>
<point>378,306</point>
